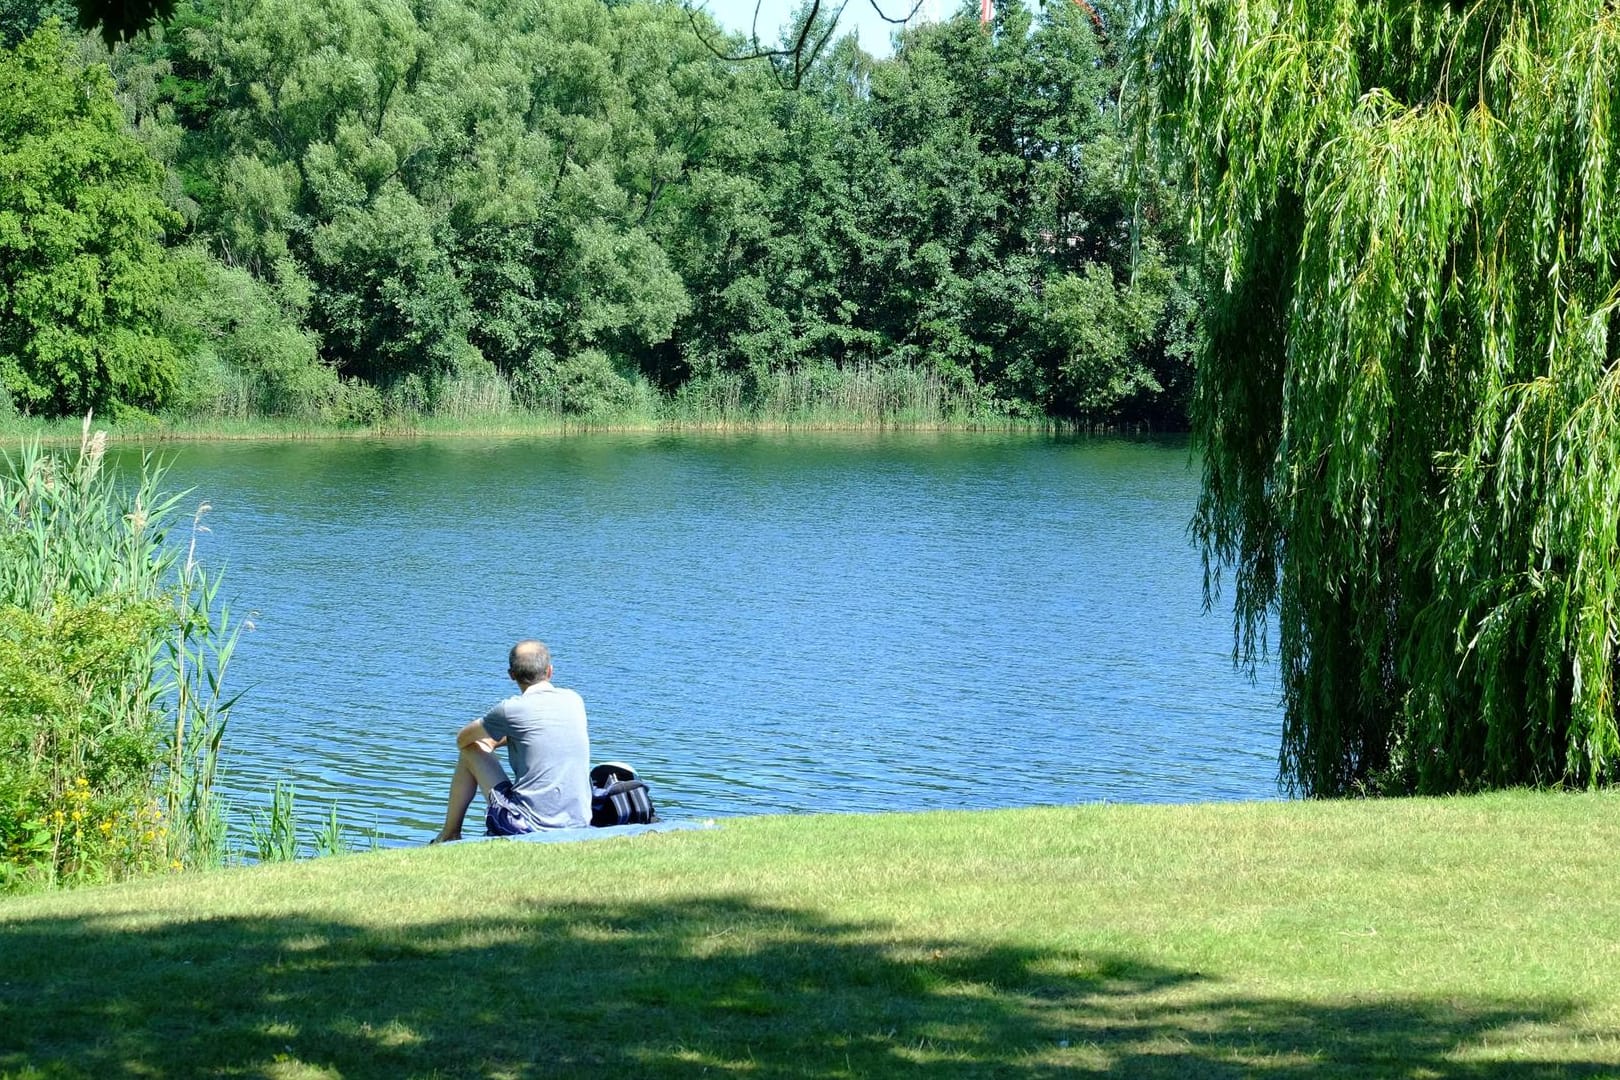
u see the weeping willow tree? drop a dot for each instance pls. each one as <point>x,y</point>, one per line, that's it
<point>1408,402</point>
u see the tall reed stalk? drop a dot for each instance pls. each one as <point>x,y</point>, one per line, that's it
<point>199,651</point>
<point>275,833</point>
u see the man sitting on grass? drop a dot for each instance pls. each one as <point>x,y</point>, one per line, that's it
<point>543,730</point>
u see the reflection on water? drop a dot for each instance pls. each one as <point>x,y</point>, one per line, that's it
<point>759,623</point>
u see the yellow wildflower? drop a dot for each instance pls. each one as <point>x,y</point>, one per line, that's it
<point>106,826</point>
<point>78,815</point>
<point>81,782</point>
<point>149,836</point>
<point>176,865</point>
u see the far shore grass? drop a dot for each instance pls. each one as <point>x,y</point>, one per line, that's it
<point>1466,937</point>
<point>183,429</point>
<point>857,397</point>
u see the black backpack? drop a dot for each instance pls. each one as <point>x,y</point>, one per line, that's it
<point>618,798</point>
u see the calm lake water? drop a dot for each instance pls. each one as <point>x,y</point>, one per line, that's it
<point>762,623</point>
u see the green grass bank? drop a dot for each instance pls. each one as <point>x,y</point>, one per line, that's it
<point>67,431</point>
<point>1467,937</point>
<point>815,399</point>
<point>182,429</point>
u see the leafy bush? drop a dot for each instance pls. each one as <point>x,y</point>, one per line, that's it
<point>79,741</point>
<point>248,353</point>
<point>584,384</point>
<point>358,402</point>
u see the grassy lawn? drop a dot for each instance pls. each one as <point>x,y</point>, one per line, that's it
<point>1425,938</point>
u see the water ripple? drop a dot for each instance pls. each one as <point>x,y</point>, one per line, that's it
<point>761,624</point>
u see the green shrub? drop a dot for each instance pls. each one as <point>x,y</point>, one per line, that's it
<point>79,741</point>
<point>247,351</point>
<point>585,384</point>
<point>357,402</point>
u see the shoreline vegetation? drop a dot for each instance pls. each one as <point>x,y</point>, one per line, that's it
<point>1322,939</point>
<point>856,400</point>
<point>358,217</point>
<point>58,433</point>
<point>114,647</point>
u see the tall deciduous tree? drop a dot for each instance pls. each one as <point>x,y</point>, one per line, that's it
<point>83,274</point>
<point>1409,401</point>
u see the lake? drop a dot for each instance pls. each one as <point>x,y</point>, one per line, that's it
<point>759,623</point>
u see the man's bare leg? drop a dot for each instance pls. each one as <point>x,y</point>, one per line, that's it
<point>478,769</point>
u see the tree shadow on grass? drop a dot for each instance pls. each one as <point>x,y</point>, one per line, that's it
<point>708,987</point>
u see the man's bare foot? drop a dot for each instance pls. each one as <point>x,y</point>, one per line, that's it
<point>443,839</point>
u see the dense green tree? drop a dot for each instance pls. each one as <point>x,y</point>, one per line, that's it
<point>1409,401</point>
<point>20,18</point>
<point>83,273</point>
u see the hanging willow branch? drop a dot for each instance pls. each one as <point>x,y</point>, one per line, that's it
<point>1409,399</point>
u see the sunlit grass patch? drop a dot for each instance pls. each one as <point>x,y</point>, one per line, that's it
<point>1457,937</point>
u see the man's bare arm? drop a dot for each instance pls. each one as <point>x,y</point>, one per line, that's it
<point>474,734</point>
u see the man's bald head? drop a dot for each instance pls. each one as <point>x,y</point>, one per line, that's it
<point>529,662</point>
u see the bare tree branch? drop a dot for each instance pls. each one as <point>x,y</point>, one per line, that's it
<point>794,60</point>
<point>902,20</point>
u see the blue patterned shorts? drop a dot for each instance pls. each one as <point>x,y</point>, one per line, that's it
<point>504,816</point>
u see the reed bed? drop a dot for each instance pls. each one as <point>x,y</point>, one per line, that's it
<point>114,645</point>
<point>480,402</point>
<point>822,395</point>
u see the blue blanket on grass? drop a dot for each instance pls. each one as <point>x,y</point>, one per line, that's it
<point>564,836</point>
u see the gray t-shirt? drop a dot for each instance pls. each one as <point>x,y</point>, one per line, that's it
<point>550,752</point>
